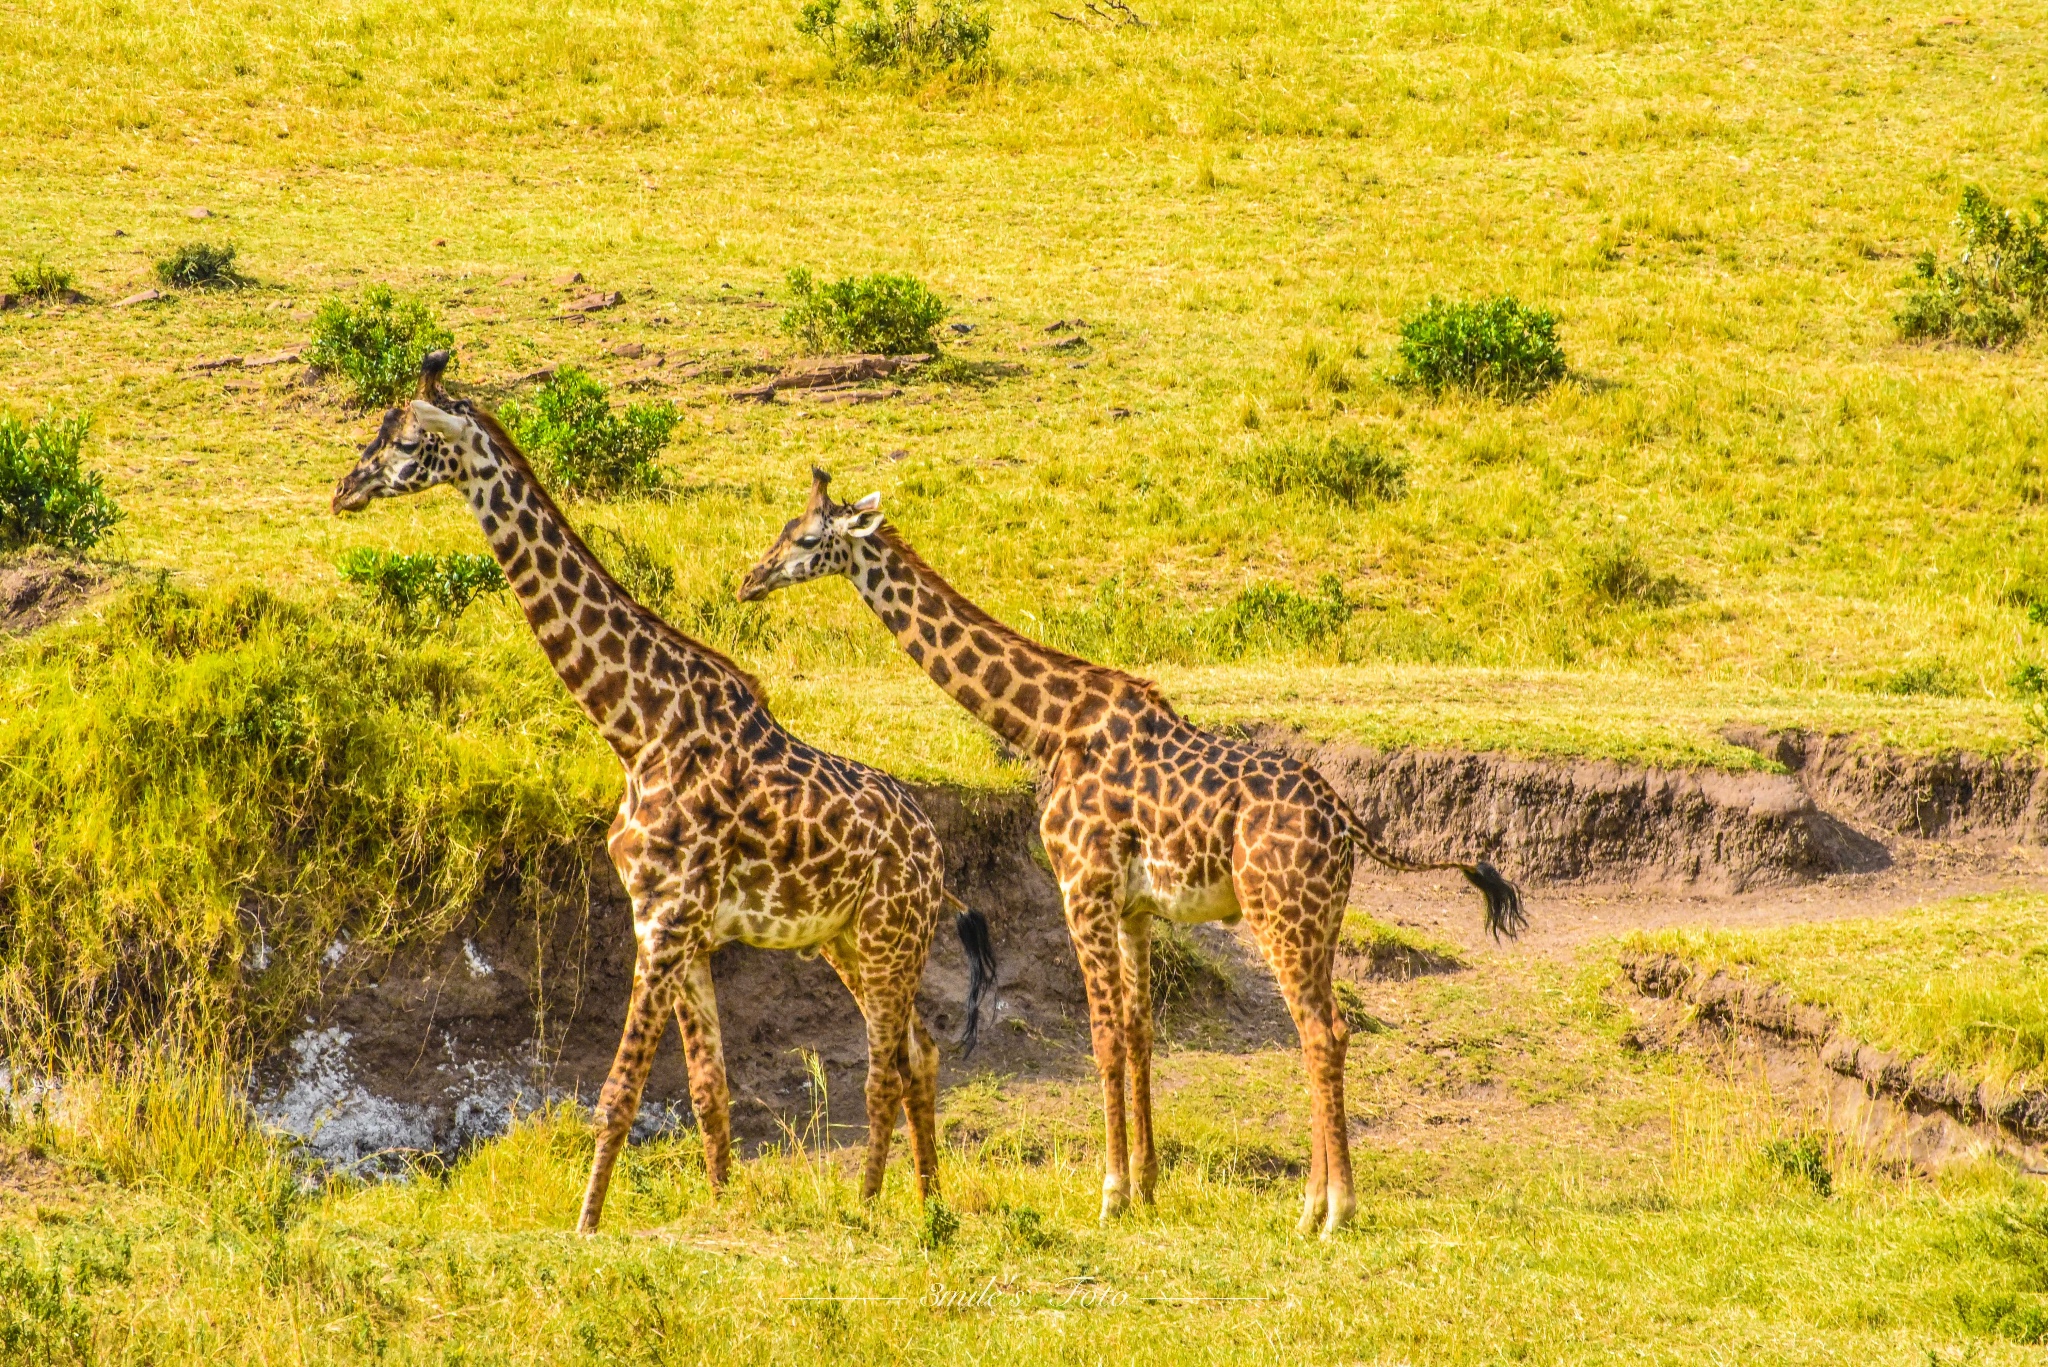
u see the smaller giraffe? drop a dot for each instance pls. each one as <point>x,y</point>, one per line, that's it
<point>1142,815</point>
<point>730,828</point>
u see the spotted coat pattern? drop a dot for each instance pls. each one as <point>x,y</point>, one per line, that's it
<point>1142,814</point>
<point>730,828</point>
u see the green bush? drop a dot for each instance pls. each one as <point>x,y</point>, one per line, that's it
<point>1267,617</point>
<point>1805,1157</point>
<point>1996,288</point>
<point>901,34</point>
<point>377,343</point>
<point>582,447</point>
<point>200,265</point>
<point>47,497</point>
<point>1492,346</point>
<point>412,585</point>
<point>42,281</point>
<point>1345,467</point>
<point>891,314</point>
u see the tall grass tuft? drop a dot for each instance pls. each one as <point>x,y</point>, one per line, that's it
<point>377,342</point>
<point>1342,467</point>
<point>1495,347</point>
<point>47,496</point>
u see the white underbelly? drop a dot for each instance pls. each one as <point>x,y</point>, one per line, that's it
<point>1180,900</point>
<point>751,923</point>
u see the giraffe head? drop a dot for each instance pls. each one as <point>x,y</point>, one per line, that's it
<point>817,542</point>
<point>409,453</point>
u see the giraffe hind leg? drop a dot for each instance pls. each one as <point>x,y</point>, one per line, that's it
<point>920,1077</point>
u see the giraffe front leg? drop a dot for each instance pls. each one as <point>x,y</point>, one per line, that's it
<point>1134,942</point>
<point>654,986</point>
<point>1092,923</point>
<point>704,1051</point>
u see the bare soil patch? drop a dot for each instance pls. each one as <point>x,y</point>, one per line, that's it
<point>38,587</point>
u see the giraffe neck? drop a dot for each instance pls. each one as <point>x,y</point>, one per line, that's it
<point>1033,696</point>
<point>633,675</point>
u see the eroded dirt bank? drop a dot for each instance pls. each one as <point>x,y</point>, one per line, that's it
<point>433,1049</point>
<point>1910,1110</point>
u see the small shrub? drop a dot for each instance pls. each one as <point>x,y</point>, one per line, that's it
<point>1026,1228</point>
<point>201,265</point>
<point>902,34</point>
<point>47,496</point>
<point>1929,678</point>
<point>720,618</point>
<point>892,314</point>
<point>1618,576</point>
<point>41,281</point>
<point>1271,616</point>
<point>1805,1157</point>
<point>650,579</point>
<point>939,1224</point>
<point>1493,346</point>
<point>581,446</point>
<point>1345,467</point>
<point>377,343</point>
<point>410,585</point>
<point>1996,287</point>
<point>2007,1315</point>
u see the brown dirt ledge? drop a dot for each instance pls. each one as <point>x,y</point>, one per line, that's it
<point>1910,1109</point>
<point>433,1048</point>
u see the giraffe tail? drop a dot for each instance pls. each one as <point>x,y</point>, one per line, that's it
<point>972,928</point>
<point>1504,914</point>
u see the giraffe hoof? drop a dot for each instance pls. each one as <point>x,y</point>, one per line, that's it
<point>1115,1199</point>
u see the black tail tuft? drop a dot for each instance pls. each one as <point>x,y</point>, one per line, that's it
<point>972,927</point>
<point>1503,900</point>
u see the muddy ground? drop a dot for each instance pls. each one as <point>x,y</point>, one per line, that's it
<point>433,1050</point>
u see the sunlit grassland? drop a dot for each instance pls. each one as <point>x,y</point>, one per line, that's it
<point>1720,200</point>
<point>1578,1203</point>
<point>1959,982</point>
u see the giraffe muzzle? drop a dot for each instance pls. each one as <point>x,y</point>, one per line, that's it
<point>353,494</point>
<point>755,586</point>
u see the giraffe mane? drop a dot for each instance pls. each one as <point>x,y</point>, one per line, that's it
<point>971,612</point>
<point>509,450</point>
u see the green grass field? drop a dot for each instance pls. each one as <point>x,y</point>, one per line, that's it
<point>1813,525</point>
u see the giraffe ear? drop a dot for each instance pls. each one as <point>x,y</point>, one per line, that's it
<point>863,517</point>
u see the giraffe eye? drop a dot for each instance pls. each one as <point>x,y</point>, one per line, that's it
<point>807,542</point>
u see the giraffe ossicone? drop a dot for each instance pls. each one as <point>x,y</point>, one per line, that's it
<point>1142,814</point>
<point>730,828</point>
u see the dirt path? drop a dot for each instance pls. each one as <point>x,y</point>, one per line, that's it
<point>1565,917</point>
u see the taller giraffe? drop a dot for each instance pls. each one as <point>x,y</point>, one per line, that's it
<point>1142,814</point>
<point>730,828</point>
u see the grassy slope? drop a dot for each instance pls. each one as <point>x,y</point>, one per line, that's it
<point>1720,199</point>
<point>1959,981</point>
